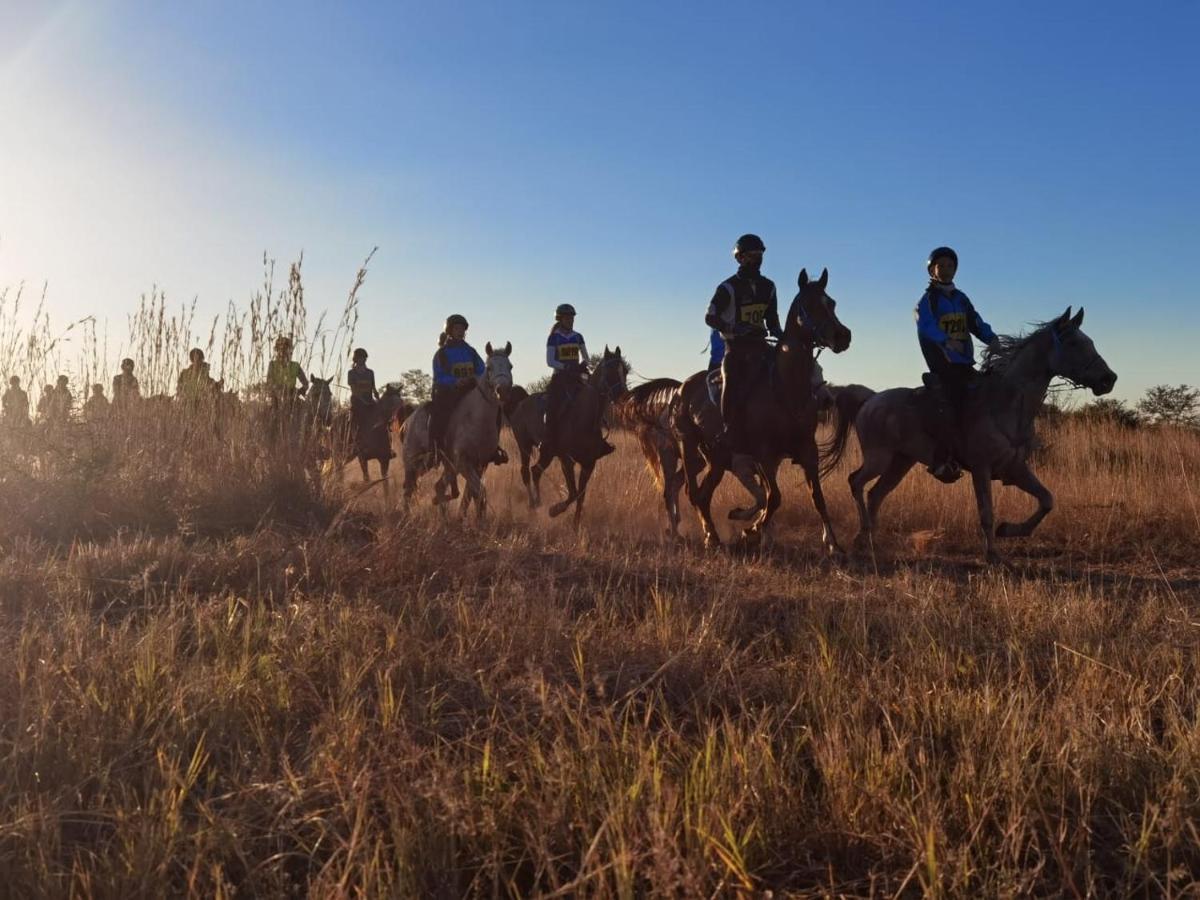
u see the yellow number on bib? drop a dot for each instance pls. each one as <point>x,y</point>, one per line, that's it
<point>754,313</point>
<point>462,370</point>
<point>954,325</point>
<point>568,352</point>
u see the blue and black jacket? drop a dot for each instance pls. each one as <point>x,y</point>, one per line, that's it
<point>943,317</point>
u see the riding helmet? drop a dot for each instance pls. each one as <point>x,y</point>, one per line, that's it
<point>359,353</point>
<point>283,342</point>
<point>937,253</point>
<point>455,319</point>
<point>564,309</point>
<point>749,243</point>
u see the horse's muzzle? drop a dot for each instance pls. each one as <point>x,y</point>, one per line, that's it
<point>1105,383</point>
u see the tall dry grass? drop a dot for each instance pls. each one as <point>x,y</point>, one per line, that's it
<point>355,700</point>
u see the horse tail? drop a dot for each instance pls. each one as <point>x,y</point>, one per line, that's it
<point>650,451</point>
<point>847,401</point>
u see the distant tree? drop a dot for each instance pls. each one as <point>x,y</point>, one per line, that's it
<point>417,385</point>
<point>1174,405</point>
<point>1109,410</point>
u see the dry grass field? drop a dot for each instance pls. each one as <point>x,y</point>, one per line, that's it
<point>223,680</point>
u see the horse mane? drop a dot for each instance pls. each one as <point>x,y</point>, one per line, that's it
<point>638,404</point>
<point>1008,346</point>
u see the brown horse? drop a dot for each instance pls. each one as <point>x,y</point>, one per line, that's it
<point>781,416</point>
<point>647,410</point>
<point>366,434</point>
<point>996,429</point>
<point>580,426</point>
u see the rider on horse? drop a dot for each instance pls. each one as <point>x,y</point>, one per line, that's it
<point>282,374</point>
<point>125,388</point>
<point>946,319</point>
<point>456,370</point>
<point>194,384</point>
<point>566,355</point>
<point>744,309</point>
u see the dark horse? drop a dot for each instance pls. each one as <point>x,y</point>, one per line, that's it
<point>365,434</point>
<point>580,426</point>
<point>781,416</point>
<point>996,430</point>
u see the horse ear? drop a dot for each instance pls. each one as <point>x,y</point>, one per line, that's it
<point>1078,320</point>
<point>803,279</point>
<point>488,348</point>
<point>508,348</point>
<point>312,377</point>
<point>1064,318</point>
<point>824,279</point>
<point>617,352</point>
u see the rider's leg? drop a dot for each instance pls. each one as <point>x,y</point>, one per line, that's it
<point>733,401</point>
<point>954,379</point>
<point>554,401</point>
<point>439,415</point>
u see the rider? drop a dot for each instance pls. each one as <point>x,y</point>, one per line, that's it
<point>363,392</point>
<point>456,370</point>
<point>60,402</point>
<point>744,309</point>
<point>946,319</point>
<point>566,355</point>
<point>283,373</point>
<point>716,350</point>
<point>96,407</point>
<point>194,382</point>
<point>16,405</point>
<point>125,388</point>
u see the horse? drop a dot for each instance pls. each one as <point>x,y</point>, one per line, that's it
<point>996,436</point>
<point>781,417</point>
<point>472,436</point>
<point>319,402</point>
<point>365,434</point>
<point>579,429</point>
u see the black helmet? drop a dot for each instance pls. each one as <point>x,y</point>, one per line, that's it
<point>127,362</point>
<point>455,319</point>
<point>937,253</point>
<point>359,351</point>
<point>748,243</point>
<point>564,309</point>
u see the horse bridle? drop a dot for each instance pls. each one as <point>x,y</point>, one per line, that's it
<point>607,389</point>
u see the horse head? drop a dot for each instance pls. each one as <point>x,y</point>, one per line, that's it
<point>1073,355</point>
<point>320,399</point>
<point>813,309</point>
<point>609,376</point>
<point>499,369</point>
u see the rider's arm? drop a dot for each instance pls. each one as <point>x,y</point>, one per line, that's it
<point>927,326</point>
<point>773,316</point>
<point>480,366</point>
<point>979,328</point>
<point>552,359</point>
<point>720,309</point>
<point>303,380</point>
<point>440,375</point>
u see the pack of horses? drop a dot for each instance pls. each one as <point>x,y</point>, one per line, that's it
<point>678,426</point>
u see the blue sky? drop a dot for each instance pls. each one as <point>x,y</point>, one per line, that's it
<point>507,157</point>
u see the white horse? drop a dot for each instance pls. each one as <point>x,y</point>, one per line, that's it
<point>472,436</point>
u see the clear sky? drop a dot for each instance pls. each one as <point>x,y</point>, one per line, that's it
<point>506,157</point>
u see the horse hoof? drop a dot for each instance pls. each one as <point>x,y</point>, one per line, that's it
<point>741,515</point>
<point>1008,530</point>
<point>557,509</point>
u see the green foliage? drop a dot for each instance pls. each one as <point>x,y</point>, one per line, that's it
<point>417,385</point>
<point>1106,409</point>
<point>1172,404</point>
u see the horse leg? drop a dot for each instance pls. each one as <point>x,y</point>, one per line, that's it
<point>672,478</point>
<point>761,526</point>
<point>875,463</point>
<point>362,462</point>
<point>702,501</point>
<point>526,479</point>
<point>568,470</point>
<point>982,479</point>
<point>810,460</point>
<point>744,470</point>
<point>585,475</point>
<point>1023,478</point>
